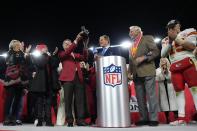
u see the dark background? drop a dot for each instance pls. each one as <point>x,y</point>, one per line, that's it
<point>53,21</point>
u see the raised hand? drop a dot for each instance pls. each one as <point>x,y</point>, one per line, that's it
<point>130,76</point>
<point>55,51</point>
<point>165,40</point>
<point>27,50</point>
<point>22,46</point>
<point>78,38</point>
<point>72,54</point>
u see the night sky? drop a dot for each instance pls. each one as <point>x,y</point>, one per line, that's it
<point>52,22</point>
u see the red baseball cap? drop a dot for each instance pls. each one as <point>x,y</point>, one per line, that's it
<point>41,46</point>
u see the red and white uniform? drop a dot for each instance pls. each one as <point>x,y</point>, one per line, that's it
<point>183,69</point>
<point>177,53</point>
<point>183,62</point>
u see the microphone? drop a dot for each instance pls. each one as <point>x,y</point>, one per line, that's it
<point>95,51</point>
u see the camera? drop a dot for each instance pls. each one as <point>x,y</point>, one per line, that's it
<point>84,33</point>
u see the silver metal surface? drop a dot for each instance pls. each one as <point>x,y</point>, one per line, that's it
<point>112,100</point>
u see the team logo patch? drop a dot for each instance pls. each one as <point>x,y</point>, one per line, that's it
<point>112,75</point>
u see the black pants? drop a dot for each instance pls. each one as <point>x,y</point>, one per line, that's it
<point>76,90</point>
<point>43,107</point>
<point>12,102</point>
<point>31,107</point>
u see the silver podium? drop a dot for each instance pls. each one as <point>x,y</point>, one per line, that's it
<point>112,92</point>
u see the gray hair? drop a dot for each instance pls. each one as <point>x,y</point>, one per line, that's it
<point>135,28</point>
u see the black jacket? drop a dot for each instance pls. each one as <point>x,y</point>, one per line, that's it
<point>46,78</point>
<point>16,72</point>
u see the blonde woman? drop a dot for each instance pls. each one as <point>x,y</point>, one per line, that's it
<point>14,83</point>
<point>167,95</point>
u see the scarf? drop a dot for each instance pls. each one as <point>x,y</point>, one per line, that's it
<point>135,45</point>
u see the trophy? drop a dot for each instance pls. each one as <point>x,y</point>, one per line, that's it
<point>84,33</point>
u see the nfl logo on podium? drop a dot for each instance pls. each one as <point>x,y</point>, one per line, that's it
<point>112,75</point>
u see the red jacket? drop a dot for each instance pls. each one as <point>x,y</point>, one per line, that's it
<point>70,64</point>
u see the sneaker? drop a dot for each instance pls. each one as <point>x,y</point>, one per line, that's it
<point>9,123</point>
<point>153,123</point>
<point>18,122</point>
<point>36,122</point>
<point>6,123</point>
<point>178,122</point>
<point>70,125</point>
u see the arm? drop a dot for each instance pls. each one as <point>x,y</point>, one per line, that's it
<point>83,57</point>
<point>165,50</point>
<point>166,47</point>
<point>68,51</point>
<point>71,48</point>
<point>152,48</point>
<point>153,51</point>
<point>130,68</point>
<point>189,43</point>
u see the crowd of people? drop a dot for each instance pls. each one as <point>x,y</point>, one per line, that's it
<point>43,75</point>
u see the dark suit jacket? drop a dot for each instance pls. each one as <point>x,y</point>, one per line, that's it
<point>111,51</point>
<point>146,68</point>
<point>69,64</point>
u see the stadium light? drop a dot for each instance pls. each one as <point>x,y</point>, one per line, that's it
<point>91,48</point>
<point>157,40</point>
<point>4,55</point>
<point>126,44</point>
<point>36,53</point>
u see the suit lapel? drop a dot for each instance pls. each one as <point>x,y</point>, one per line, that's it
<point>140,46</point>
<point>107,52</point>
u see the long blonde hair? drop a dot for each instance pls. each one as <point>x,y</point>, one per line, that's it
<point>167,62</point>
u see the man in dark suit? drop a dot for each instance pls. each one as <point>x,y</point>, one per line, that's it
<point>105,49</point>
<point>72,80</point>
<point>142,67</point>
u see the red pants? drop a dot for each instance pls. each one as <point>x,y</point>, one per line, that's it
<point>186,75</point>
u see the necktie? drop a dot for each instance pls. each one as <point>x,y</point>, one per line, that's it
<point>103,51</point>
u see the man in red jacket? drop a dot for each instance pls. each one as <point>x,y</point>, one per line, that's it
<point>72,79</point>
